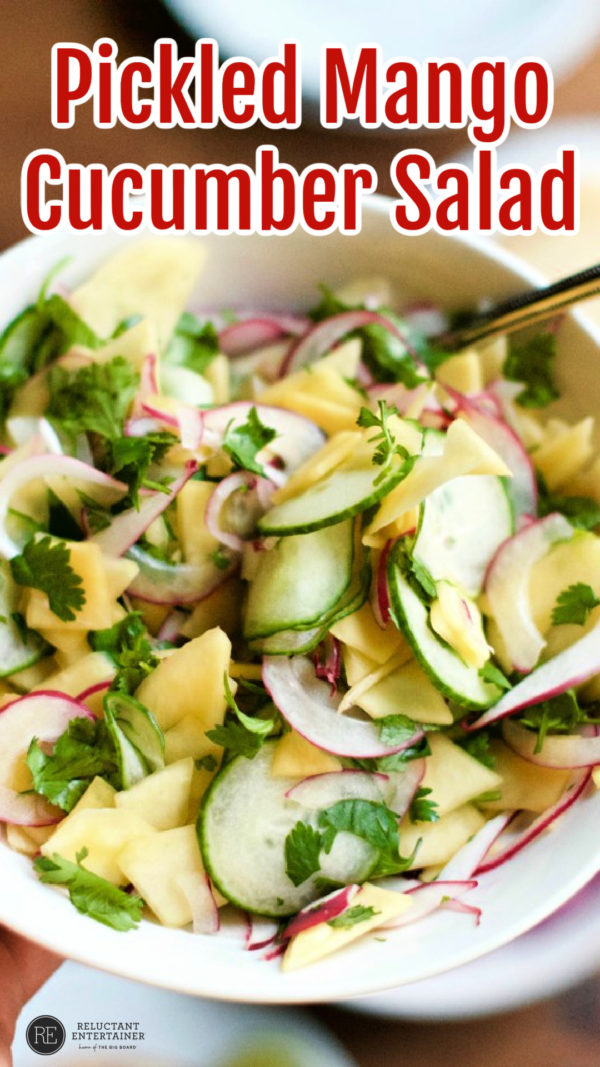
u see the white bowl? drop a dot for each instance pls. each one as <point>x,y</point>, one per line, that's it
<point>284,272</point>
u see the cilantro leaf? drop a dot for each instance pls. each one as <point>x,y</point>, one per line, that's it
<point>194,344</point>
<point>244,737</point>
<point>375,824</point>
<point>386,446</point>
<point>94,399</point>
<point>532,363</point>
<point>394,729</point>
<point>90,894</point>
<point>356,914</point>
<point>562,714</point>
<point>424,578</point>
<point>302,850</point>
<point>478,746</point>
<point>493,675</point>
<point>421,809</point>
<point>60,521</point>
<point>243,442</point>
<point>83,751</point>
<point>205,763</point>
<point>574,605</point>
<point>130,458</point>
<point>128,645</point>
<point>44,564</point>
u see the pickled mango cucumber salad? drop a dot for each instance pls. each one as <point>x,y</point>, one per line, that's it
<point>300,615</point>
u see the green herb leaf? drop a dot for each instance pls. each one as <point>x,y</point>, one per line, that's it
<point>478,746</point>
<point>357,914</point>
<point>83,751</point>
<point>582,512</point>
<point>375,824</point>
<point>243,442</point>
<point>560,715</point>
<point>130,458</point>
<point>244,737</point>
<point>532,363</point>
<point>94,399</point>
<point>128,645</point>
<point>302,849</point>
<point>205,763</point>
<point>574,605</point>
<point>394,729</point>
<point>45,565</point>
<point>421,809</point>
<point>424,578</point>
<point>493,675</point>
<point>194,344</point>
<point>89,893</point>
<point>386,446</point>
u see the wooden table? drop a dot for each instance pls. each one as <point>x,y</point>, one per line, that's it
<point>561,1033</point>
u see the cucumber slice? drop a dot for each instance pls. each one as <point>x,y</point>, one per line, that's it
<point>460,527</point>
<point>20,648</point>
<point>288,642</point>
<point>454,679</point>
<point>300,581</point>
<point>340,496</point>
<point>140,741</point>
<point>242,828</point>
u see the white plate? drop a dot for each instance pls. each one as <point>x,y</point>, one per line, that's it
<point>556,955</point>
<point>284,272</point>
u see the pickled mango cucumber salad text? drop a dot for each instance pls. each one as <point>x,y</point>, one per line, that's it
<point>300,616</point>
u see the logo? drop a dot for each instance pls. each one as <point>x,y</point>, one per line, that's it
<point>45,1035</point>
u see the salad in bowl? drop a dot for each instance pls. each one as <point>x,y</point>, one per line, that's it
<point>300,617</point>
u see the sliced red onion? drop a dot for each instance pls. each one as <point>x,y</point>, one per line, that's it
<point>255,500</point>
<point>260,933</point>
<point>190,426</point>
<point>547,818</point>
<point>403,786</point>
<point>558,750</point>
<point>570,668</point>
<point>44,715</point>
<point>327,659</point>
<point>91,690</point>
<point>464,909</point>
<point>507,586</point>
<point>306,703</point>
<point>158,415</point>
<point>197,890</point>
<point>171,627</point>
<point>106,489</point>
<point>465,862</point>
<point>397,395</point>
<point>175,583</point>
<point>127,528</point>
<point>427,897</point>
<point>324,335</point>
<point>297,437</point>
<point>148,384</point>
<point>380,598</point>
<point>142,426</point>
<point>322,790</point>
<point>522,487</point>
<point>245,335</point>
<point>322,911</point>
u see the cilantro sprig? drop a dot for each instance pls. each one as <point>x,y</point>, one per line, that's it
<point>574,605</point>
<point>243,442</point>
<point>386,446</point>
<point>422,809</point>
<point>45,564</point>
<point>194,343</point>
<point>241,735</point>
<point>83,751</point>
<point>89,893</point>
<point>128,645</point>
<point>359,913</point>
<point>93,399</point>
<point>532,363</point>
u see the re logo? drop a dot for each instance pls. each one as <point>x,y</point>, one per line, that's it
<point>45,1035</point>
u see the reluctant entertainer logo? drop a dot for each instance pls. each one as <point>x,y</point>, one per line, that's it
<point>106,1036</point>
<point>198,92</point>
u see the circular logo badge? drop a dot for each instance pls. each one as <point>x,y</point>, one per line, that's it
<point>45,1035</point>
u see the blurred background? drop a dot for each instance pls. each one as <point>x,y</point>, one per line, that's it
<point>537,1000</point>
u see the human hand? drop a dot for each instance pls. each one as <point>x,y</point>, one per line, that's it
<point>24,967</point>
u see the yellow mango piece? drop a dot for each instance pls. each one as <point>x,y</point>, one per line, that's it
<point>154,864</point>
<point>295,757</point>
<point>356,665</point>
<point>119,574</point>
<point>524,785</point>
<point>33,677</point>
<point>465,452</point>
<point>457,620</point>
<point>161,798</point>
<point>492,357</point>
<point>196,541</point>
<point>187,737</point>
<point>104,832</point>
<point>566,453</point>
<point>586,482</point>
<point>153,615</point>
<point>361,632</point>
<point>70,646</point>
<point>442,839</point>
<point>566,564</point>
<point>356,692</point>
<point>344,359</point>
<point>222,608</point>
<point>153,278</point>
<point>405,524</point>
<point>99,794</point>
<point>91,669</point>
<point>454,776</point>
<point>190,682</point>
<point>406,691</point>
<point>133,345</point>
<point>201,779</point>
<point>321,940</point>
<point>97,612</point>
<point>218,376</point>
<point>333,453</point>
<point>462,372</point>
<point>319,393</point>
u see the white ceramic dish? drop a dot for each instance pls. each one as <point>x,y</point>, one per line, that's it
<point>284,272</point>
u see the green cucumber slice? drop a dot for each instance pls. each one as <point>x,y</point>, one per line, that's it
<point>300,581</point>
<point>139,740</point>
<point>461,525</point>
<point>340,496</point>
<point>20,648</point>
<point>242,827</point>
<point>288,642</point>
<point>454,679</point>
